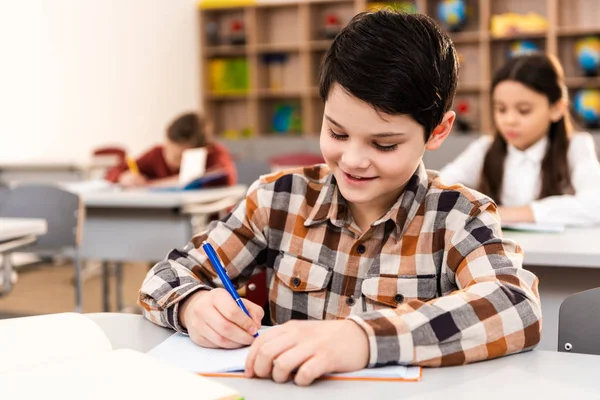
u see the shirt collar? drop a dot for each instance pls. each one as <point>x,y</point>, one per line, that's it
<point>332,206</point>
<point>534,153</point>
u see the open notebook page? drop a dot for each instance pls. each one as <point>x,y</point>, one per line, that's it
<point>118,374</point>
<point>28,341</point>
<point>180,351</point>
<point>533,227</point>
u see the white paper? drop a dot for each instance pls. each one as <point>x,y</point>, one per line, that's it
<point>193,165</point>
<point>534,227</point>
<point>28,341</point>
<point>180,351</point>
<point>119,374</point>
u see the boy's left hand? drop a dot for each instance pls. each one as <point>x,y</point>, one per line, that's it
<point>313,348</point>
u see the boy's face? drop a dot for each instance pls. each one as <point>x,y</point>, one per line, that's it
<point>372,155</point>
<point>173,152</point>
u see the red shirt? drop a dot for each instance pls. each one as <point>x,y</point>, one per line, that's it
<point>153,166</point>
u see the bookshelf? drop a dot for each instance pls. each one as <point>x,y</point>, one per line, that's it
<point>277,46</point>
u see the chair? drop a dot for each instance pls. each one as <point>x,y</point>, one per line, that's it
<point>292,160</point>
<point>63,213</point>
<point>104,158</point>
<point>4,192</point>
<point>248,171</point>
<point>579,323</point>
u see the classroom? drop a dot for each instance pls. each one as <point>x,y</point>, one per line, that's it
<point>234,193</point>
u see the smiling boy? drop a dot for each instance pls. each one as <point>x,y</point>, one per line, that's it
<point>382,257</point>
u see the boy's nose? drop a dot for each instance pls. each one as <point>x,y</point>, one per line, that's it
<point>355,160</point>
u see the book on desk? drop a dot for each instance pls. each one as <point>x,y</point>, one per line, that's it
<point>192,173</point>
<point>180,351</point>
<point>68,356</point>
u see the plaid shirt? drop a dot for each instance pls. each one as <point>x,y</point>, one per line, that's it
<point>432,282</point>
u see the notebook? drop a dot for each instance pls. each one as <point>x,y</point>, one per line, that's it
<point>533,227</point>
<point>192,173</point>
<point>68,356</point>
<point>180,351</point>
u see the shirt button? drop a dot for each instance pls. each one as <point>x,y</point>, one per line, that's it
<point>398,298</point>
<point>296,282</point>
<point>350,301</point>
<point>361,249</point>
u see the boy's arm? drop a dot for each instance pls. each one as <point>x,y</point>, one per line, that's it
<point>495,311</point>
<point>239,241</point>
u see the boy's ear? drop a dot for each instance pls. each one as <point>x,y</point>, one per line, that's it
<point>441,132</point>
<point>557,110</point>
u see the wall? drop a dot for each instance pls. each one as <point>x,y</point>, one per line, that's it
<point>77,74</point>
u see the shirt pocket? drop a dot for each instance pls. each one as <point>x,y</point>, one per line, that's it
<point>299,288</point>
<point>391,291</point>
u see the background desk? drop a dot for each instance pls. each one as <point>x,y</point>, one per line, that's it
<point>565,263</point>
<point>533,375</point>
<point>16,233</point>
<point>141,225</point>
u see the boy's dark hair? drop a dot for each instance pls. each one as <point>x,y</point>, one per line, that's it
<point>188,129</point>
<point>398,63</point>
<point>543,74</point>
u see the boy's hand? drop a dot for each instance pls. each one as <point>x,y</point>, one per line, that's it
<point>313,348</point>
<point>129,179</point>
<point>213,319</point>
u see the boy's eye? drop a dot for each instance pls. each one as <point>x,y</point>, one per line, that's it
<point>524,112</point>
<point>500,109</point>
<point>381,147</point>
<point>337,136</point>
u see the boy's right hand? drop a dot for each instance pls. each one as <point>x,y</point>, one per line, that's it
<point>129,179</point>
<point>213,319</point>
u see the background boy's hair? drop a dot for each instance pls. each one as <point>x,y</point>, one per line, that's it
<point>188,129</point>
<point>398,63</point>
<point>542,73</point>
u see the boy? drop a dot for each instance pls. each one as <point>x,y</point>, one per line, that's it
<point>389,264</point>
<point>160,165</point>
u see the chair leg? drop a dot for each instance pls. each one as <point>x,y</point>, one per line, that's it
<point>105,287</point>
<point>78,285</point>
<point>119,285</point>
<point>6,271</point>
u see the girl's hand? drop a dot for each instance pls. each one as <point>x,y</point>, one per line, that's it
<point>516,214</point>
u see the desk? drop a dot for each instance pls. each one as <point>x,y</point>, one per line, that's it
<point>140,225</point>
<point>534,375</point>
<point>16,228</point>
<point>565,263</point>
<point>15,233</point>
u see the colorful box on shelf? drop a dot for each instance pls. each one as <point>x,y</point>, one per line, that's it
<point>508,24</point>
<point>206,4</point>
<point>228,76</point>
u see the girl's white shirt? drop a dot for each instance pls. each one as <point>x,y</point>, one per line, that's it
<point>523,179</point>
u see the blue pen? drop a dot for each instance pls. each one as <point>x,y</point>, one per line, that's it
<point>218,266</point>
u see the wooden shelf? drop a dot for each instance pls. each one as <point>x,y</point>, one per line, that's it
<point>465,37</point>
<point>320,45</point>
<point>519,36</point>
<point>226,50</point>
<point>265,48</point>
<point>568,31</point>
<point>228,97</point>
<point>279,94</point>
<point>294,28</point>
<point>582,82</point>
<point>469,87</point>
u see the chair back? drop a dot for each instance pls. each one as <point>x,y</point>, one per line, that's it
<point>579,323</point>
